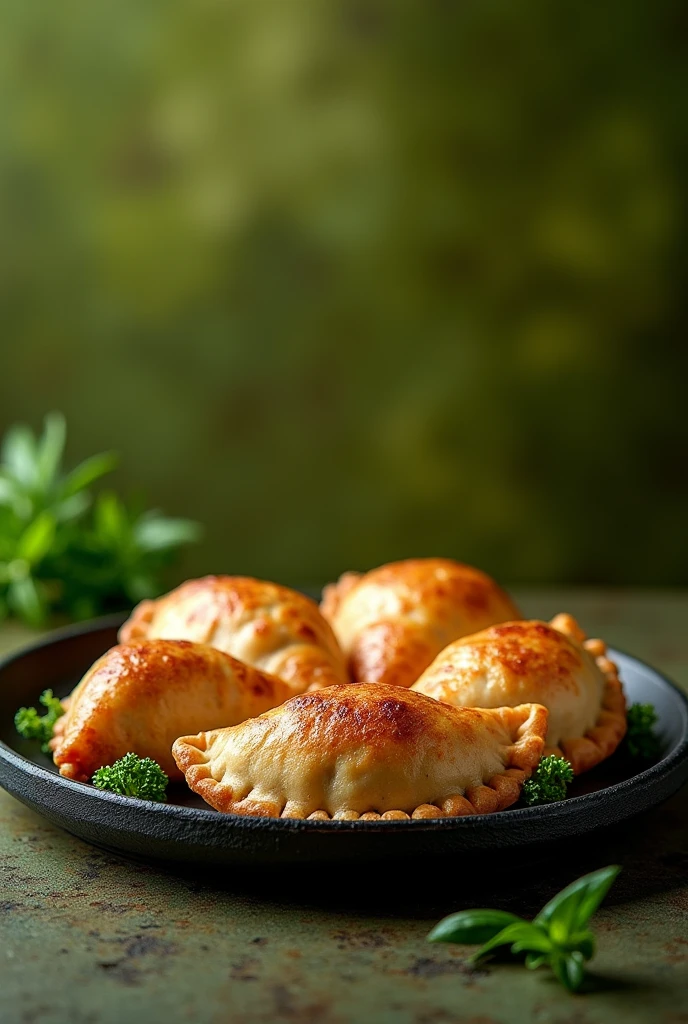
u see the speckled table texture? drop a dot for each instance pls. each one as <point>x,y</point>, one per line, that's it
<point>88,937</point>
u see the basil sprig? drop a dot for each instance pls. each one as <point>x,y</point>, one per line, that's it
<point>558,937</point>
<point>64,552</point>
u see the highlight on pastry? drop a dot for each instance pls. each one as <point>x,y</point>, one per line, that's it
<point>552,664</point>
<point>273,628</point>
<point>138,698</point>
<point>366,751</point>
<point>391,622</point>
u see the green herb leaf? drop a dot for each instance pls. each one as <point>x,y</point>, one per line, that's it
<point>110,519</point>
<point>58,555</point>
<point>29,724</point>
<point>19,455</point>
<point>10,491</point>
<point>557,936</point>
<point>86,473</point>
<point>49,449</point>
<point>548,782</point>
<point>572,908</point>
<point>642,741</point>
<point>471,926</point>
<point>71,508</point>
<point>583,943</point>
<point>521,936</point>
<point>131,775</point>
<point>33,726</point>
<point>161,533</point>
<point>37,539</point>
<point>569,968</point>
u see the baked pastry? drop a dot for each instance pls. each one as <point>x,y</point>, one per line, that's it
<point>271,627</point>
<point>391,622</point>
<point>366,751</point>
<point>139,697</point>
<point>554,665</point>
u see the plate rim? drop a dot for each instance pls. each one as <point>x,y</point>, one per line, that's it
<point>233,822</point>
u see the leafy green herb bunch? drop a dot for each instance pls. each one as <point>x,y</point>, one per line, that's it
<point>558,938</point>
<point>64,552</point>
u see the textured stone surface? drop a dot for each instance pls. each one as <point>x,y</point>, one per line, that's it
<point>87,937</point>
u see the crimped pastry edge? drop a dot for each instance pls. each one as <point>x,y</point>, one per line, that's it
<point>598,743</point>
<point>501,791</point>
<point>136,626</point>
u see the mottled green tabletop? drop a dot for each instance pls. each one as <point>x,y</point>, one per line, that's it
<point>88,937</point>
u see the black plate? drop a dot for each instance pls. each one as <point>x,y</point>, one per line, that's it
<point>185,829</point>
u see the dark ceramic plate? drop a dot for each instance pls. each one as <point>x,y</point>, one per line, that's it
<point>185,829</point>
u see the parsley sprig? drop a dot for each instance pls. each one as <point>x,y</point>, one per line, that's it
<point>642,741</point>
<point>549,782</point>
<point>33,726</point>
<point>558,937</point>
<point>133,776</point>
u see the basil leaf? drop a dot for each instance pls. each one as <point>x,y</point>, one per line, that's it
<point>535,960</point>
<point>50,448</point>
<point>523,935</point>
<point>160,533</point>
<point>569,911</point>
<point>19,455</point>
<point>37,539</point>
<point>471,926</point>
<point>110,519</point>
<point>569,969</point>
<point>86,473</point>
<point>583,943</point>
<point>539,940</point>
<point>71,508</point>
<point>10,490</point>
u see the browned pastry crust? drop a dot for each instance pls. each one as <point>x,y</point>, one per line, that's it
<point>553,664</point>
<point>366,751</point>
<point>391,622</point>
<point>598,743</point>
<point>271,627</point>
<point>138,697</point>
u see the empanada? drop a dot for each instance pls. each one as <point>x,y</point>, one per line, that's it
<point>366,751</point>
<point>554,665</point>
<point>392,621</point>
<point>271,627</point>
<point>139,697</point>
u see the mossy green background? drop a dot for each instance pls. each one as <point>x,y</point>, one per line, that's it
<point>352,281</point>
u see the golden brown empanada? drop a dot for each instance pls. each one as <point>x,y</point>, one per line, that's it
<point>271,627</point>
<point>139,697</point>
<point>554,665</point>
<point>392,621</point>
<point>368,751</point>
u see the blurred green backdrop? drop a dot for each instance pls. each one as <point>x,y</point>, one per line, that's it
<point>351,281</point>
